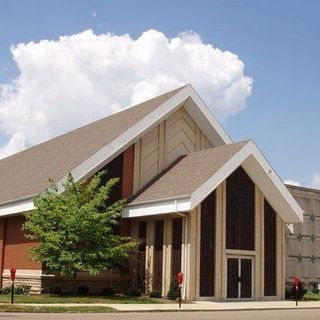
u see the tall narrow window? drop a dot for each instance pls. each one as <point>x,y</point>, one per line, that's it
<point>158,255</point>
<point>270,250</point>
<point>240,211</point>
<point>207,245</point>
<point>141,268</point>
<point>176,247</point>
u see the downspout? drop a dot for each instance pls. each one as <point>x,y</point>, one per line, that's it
<point>185,216</point>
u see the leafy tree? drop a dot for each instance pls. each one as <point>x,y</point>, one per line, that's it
<point>75,229</point>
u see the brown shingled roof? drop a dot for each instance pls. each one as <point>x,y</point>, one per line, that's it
<point>188,174</point>
<point>26,173</point>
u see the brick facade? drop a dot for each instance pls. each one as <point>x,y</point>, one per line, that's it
<point>13,249</point>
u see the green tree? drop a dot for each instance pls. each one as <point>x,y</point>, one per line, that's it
<point>75,229</point>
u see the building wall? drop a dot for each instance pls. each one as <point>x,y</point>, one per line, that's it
<point>303,246</point>
<point>176,136</point>
<point>14,245</point>
<point>190,251</point>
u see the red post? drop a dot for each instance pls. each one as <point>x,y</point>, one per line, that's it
<point>12,277</point>
<point>180,282</point>
<point>296,284</point>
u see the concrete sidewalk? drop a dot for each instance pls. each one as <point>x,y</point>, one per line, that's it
<point>196,306</point>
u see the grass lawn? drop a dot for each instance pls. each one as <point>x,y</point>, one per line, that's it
<point>53,309</point>
<point>48,298</point>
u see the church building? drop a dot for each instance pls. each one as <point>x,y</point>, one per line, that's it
<point>203,204</point>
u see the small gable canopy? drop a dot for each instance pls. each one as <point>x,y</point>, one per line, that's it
<point>187,183</point>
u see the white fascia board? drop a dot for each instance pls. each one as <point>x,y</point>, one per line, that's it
<point>206,120</point>
<point>157,207</point>
<point>262,174</point>
<point>273,188</point>
<point>213,182</point>
<point>290,228</point>
<point>16,207</point>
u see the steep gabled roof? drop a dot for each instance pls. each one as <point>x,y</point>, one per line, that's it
<point>26,173</point>
<point>85,150</point>
<point>187,183</point>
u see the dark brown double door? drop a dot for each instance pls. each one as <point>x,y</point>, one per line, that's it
<point>239,278</point>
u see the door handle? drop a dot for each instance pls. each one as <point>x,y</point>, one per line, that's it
<point>239,279</point>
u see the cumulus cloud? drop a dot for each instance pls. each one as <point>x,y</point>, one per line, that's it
<point>316,181</point>
<point>292,183</point>
<point>76,79</point>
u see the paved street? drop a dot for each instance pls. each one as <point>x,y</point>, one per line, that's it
<point>224,315</point>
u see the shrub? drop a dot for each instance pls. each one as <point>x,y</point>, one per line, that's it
<point>108,291</point>
<point>155,294</point>
<point>83,290</point>
<point>6,290</point>
<point>22,289</point>
<point>301,291</point>
<point>55,290</point>
<point>173,292</point>
<point>315,287</point>
<point>288,293</point>
<point>19,289</point>
<point>132,292</point>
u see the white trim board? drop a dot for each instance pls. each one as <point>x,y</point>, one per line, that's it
<point>259,170</point>
<point>186,96</point>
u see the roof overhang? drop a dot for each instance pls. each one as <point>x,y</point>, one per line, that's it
<point>259,170</point>
<point>186,97</point>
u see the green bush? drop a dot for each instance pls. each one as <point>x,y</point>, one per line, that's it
<point>288,293</point>
<point>6,290</point>
<point>173,292</point>
<point>301,291</point>
<point>83,290</point>
<point>315,287</point>
<point>19,289</point>
<point>22,289</point>
<point>108,291</point>
<point>155,294</point>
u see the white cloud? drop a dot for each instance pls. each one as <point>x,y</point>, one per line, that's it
<point>316,181</point>
<point>77,79</point>
<point>292,183</point>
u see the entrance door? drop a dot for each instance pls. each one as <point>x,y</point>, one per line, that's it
<point>239,278</point>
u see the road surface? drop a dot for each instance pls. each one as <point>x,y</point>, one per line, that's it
<point>309,314</point>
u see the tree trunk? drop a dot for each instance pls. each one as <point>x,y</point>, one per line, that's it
<point>74,282</point>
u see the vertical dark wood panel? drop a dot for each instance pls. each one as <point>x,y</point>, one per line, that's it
<point>158,255</point>
<point>240,218</point>
<point>270,247</point>
<point>141,269</point>
<point>232,278</point>
<point>207,245</point>
<point>114,170</point>
<point>246,278</point>
<point>176,247</point>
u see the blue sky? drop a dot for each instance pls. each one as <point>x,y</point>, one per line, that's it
<point>278,41</point>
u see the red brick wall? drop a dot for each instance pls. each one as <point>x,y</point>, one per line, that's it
<point>127,177</point>
<point>15,246</point>
<point>2,232</point>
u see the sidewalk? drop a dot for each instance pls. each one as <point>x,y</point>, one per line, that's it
<point>196,306</point>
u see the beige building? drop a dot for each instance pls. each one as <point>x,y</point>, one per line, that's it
<point>204,205</point>
<point>303,246</point>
